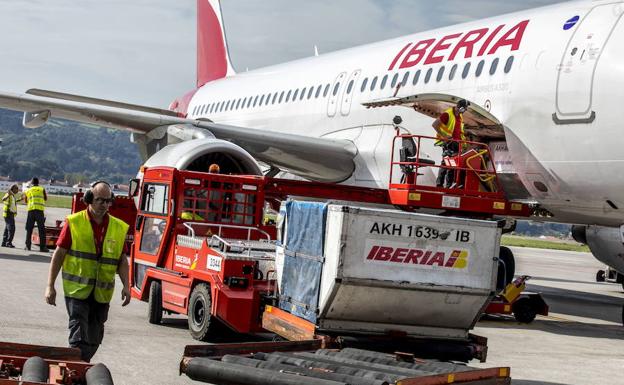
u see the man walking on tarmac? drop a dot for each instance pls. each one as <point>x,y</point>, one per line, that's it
<point>90,252</point>
<point>9,213</point>
<point>35,203</point>
<point>449,126</point>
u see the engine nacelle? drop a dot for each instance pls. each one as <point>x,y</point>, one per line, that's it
<point>199,154</point>
<point>605,244</point>
<point>36,119</point>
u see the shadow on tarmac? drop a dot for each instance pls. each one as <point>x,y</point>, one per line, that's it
<point>221,333</point>
<point>567,328</point>
<point>531,382</point>
<point>569,281</point>
<point>39,258</point>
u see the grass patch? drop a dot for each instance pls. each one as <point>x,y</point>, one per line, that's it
<point>517,241</point>
<point>63,201</point>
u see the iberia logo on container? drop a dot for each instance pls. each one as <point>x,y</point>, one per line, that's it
<point>452,258</point>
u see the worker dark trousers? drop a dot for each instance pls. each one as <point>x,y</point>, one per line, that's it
<point>446,175</point>
<point>36,216</point>
<point>86,324</point>
<point>9,229</point>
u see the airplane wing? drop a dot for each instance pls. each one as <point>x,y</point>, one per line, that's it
<point>477,120</point>
<point>323,159</point>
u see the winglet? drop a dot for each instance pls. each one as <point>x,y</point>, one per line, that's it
<point>213,61</point>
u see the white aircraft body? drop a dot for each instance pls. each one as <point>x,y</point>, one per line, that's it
<point>544,87</point>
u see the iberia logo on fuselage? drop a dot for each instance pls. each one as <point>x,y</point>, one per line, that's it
<point>475,43</point>
<point>454,259</point>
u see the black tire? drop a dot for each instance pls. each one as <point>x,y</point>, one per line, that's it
<point>200,320</point>
<point>154,308</point>
<point>523,310</point>
<point>506,268</point>
<point>600,276</point>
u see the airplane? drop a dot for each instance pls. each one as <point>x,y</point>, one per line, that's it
<point>543,86</point>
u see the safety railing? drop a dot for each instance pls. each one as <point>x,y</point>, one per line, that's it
<point>239,246</point>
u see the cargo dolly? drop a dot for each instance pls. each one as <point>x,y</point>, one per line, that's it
<point>524,306</point>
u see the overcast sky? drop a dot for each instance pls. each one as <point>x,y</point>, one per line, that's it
<point>143,51</point>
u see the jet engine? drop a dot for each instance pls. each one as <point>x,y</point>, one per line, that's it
<point>605,244</point>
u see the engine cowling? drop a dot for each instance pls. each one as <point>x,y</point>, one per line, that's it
<point>605,244</point>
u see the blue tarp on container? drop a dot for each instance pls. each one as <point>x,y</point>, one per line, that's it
<point>303,260</point>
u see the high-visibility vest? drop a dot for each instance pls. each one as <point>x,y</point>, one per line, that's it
<point>10,205</point>
<point>187,215</point>
<point>35,197</point>
<point>83,269</point>
<point>447,129</point>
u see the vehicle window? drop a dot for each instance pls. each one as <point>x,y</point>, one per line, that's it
<point>440,74</point>
<point>326,90</point>
<point>350,87</point>
<point>428,75</point>
<point>508,64</point>
<point>416,77</point>
<point>373,84</point>
<point>405,77</point>
<point>395,79</point>
<point>363,87</point>
<point>493,66</point>
<point>153,230</point>
<point>452,72</point>
<point>479,68</point>
<point>466,70</point>
<point>382,85</point>
<point>154,199</point>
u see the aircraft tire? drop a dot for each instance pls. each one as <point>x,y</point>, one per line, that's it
<point>600,276</point>
<point>154,308</point>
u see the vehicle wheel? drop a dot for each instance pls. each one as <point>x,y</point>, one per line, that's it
<point>506,268</point>
<point>199,317</point>
<point>523,310</point>
<point>600,276</point>
<point>154,308</point>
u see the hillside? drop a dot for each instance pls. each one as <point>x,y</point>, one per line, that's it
<point>65,150</point>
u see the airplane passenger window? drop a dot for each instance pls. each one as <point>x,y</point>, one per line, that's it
<point>243,102</point>
<point>212,107</point>
<point>302,93</point>
<point>405,77</point>
<point>440,74</point>
<point>295,95</point>
<point>288,96</point>
<point>373,84</point>
<point>261,100</point>
<point>238,102</point>
<point>383,82</point>
<point>453,70</point>
<point>493,66</point>
<point>194,110</point>
<point>479,68</point>
<point>508,64</point>
<point>416,76</point>
<point>281,97</point>
<point>256,100</point>
<point>310,92</point>
<point>249,102</point>
<point>466,70</point>
<point>274,98</point>
<point>428,75</point>
<point>336,87</point>
<point>326,90</point>
<point>318,91</point>
<point>350,87</point>
<point>364,85</point>
<point>221,105</point>
<point>395,79</point>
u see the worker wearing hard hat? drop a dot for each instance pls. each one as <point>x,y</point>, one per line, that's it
<point>90,252</point>
<point>449,127</point>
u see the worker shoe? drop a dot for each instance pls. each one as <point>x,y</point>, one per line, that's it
<point>11,246</point>
<point>45,250</point>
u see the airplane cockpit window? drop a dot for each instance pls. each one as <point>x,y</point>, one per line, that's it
<point>256,100</point>
<point>466,70</point>
<point>310,92</point>
<point>508,64</point>
<point>318,91</point>
<point>395,79</point>
<point>428,75</point>
<point>303,91</point>
<point>383,82</point>
<point>440,74</point>
<point>288,96</point>
<point>405,77</point>
<point>416,77</point>
<point>281,97</point>
<point>364,82</point>
<point>336,87</point>
<point>493,66</point>
<point>452,72</point>
<point>294,99</point>
<point>479,68</point>
<point>373,84</point>
<point>326,90</point>
<point>350,87</point>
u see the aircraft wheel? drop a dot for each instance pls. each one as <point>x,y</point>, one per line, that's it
<point>200,320</point>
<point>523,310</point>
<point>506,268</point>
<point>154,309</point>
<point>600,276</point>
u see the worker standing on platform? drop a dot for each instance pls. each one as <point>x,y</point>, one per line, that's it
<point>449,128</point>
<point>90,252</point>
<point>35,202</point>
<point>9,201</point>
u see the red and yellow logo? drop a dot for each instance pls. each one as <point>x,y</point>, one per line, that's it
<point>456,259</point>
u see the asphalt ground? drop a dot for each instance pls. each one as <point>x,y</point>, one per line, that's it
<point>581,342</point>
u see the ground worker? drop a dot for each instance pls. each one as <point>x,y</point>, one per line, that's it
<point>35,202</point>
<point>9,201</point>
<point>90,252</point>
<point>449,127</point>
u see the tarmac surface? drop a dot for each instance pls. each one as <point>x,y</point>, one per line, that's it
<point>581,342</point>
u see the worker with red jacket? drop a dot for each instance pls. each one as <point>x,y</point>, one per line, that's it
<point>449,127</point>
<point>90,252</point>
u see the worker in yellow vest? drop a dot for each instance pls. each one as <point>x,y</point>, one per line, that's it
<point>90,251</point>
<point>35,198</point>
<point>9,201</point>
<point>449,127</point>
